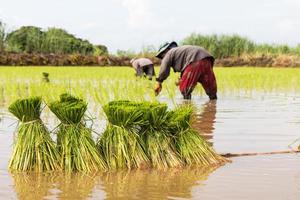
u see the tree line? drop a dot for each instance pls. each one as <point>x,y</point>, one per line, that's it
<point>31,39</point>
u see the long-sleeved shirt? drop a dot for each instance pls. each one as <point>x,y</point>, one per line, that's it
<point>179,58</point>
<point>141,62</point>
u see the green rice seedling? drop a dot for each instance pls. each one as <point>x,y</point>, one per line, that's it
<point>120,144</point>
<point>103,84</point>
<point>74,139</point>
<point>165,137</point>
<point>191,147</point>
<point>34,149</point>
<point>157,140</point>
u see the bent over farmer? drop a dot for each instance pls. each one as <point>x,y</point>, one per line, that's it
<point>143,66</point>
<point>195,65</point>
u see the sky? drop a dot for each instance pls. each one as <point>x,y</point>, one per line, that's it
<point>134,24</point>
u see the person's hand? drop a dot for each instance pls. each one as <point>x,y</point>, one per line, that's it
<point>157,88</point>
<point>177,83</point>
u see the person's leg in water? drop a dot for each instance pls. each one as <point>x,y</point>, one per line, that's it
<point>189,79</point>
<point>208,79</point>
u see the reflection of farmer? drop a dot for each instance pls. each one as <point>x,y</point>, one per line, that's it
<point>195,65</point>
<point>143,65</point>
<point>205,120</point>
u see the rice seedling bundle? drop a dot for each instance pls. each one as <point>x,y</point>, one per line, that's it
<point>74,139</point>
<point>120,144</point>
<point>164,137</point>
<point>191,147</point>
<point>157,140</point>
<point>34,149</point>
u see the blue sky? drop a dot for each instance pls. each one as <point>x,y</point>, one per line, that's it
<point>132,24</point>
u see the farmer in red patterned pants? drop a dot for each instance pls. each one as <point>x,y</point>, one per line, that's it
<point>195,65</point>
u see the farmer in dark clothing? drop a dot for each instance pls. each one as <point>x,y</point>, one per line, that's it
<point>195,65</point>
<point>143,66</point>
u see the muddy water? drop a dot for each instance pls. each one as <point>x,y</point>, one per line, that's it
<point>256,123</point>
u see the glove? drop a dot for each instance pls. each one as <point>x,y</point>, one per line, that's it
<point>157,88</point>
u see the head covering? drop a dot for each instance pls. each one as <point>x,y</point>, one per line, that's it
<point>165,47</point>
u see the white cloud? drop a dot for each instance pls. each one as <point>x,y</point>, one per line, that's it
<point>139,14</point>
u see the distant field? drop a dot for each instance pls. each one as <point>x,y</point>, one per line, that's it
<point>102,84</point>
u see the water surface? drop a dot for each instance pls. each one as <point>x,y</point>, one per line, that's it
<point>255,123</point>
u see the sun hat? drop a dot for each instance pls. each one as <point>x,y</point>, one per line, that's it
<point>164,47</point>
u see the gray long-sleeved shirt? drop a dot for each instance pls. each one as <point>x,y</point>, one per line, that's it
<point>141,62</point>
<point>179,58</point>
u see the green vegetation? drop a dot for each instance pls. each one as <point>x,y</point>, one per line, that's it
<point>31,39</point>
<point>26,39</point>
<point>139,134</point>
<point>2,37</point>
<point>74,138</point>
<point>34,149</point>
<point>102,85</point>
<point>120,145</point>
<point>159,137</point>
<point>224,46</point>
<point>191,147</point>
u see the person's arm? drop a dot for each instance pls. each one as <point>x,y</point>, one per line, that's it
<point>138,72</point>
<point>164,71</point>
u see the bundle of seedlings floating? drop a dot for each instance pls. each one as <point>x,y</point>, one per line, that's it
<point>34,149</point>
<point>74,139</point>
<point>191,147</point>
<point>120,144</point>
<point>157,139</point>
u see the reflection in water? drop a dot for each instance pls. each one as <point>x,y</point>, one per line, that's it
<point>76,186</point>
<point>33,186</point>
<point>204,121</point>
<point>153,184</point>
<point>135,184</point>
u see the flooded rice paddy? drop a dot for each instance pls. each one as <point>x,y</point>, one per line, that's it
<point>259,122</point>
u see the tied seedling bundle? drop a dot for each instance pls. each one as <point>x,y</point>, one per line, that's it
<point>148,132</point>
<point>191,147</point>
<point>120,144</point>
<point>157,140</point>
<point>74,139</point>
<point>34,149</point>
